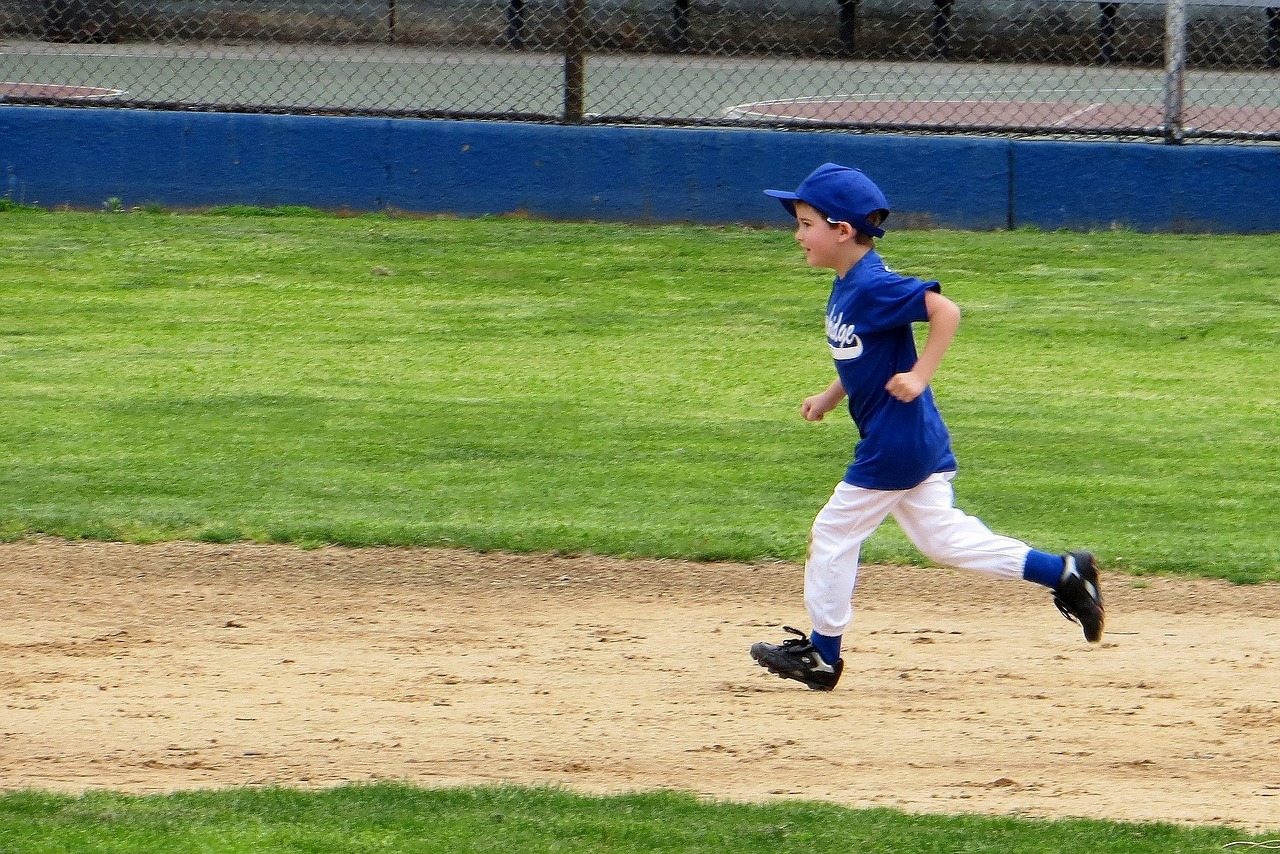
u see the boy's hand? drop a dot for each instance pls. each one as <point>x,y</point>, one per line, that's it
<point>906,387</point>
<point>815,407</point>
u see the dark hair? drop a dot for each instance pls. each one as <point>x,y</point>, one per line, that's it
<point>875,218</point>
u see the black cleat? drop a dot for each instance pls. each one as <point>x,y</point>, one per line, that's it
<point>796,658</point>
<point>1078,596</point>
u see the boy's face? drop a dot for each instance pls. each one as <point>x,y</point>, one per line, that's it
<point>823,243</point>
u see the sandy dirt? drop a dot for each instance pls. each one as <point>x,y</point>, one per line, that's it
<point>154,668</point>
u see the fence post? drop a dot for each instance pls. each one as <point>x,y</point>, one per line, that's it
<point>515,24</point>
<point>1273,37</point>
<point>848,27</point>
<point>680,25</point>
<point>942,28</point>
<point>1175,66</point>
<point>1107,32</point>
<point>575,61</point>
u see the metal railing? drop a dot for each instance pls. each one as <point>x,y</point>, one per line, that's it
<point>1137,69</point>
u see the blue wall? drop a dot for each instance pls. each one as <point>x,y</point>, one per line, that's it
<point>80,158</point>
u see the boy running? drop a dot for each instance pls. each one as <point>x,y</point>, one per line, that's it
<point>903,464</point>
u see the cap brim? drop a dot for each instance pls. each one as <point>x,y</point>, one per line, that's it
<point>787,198</point>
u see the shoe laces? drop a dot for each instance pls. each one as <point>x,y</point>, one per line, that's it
<point>796,644</point>
<point>1064,608</point>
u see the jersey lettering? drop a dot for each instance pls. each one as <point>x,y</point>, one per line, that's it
<point>845,344</point>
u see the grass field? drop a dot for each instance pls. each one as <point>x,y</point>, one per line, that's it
<point>535,386</point>
<point>290,377</point>
<point>396,818</point>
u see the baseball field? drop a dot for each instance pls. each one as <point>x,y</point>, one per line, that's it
<point>295,501</point>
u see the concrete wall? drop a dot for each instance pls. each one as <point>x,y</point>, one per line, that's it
<point>80,158</point>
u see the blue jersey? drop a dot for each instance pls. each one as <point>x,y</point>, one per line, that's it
<point>869,317</point>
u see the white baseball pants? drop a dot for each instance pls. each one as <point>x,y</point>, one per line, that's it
<point>926,513</point>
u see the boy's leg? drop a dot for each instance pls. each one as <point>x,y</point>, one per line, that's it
<point>948,536</point>
<point>835,543</point>
<point>831,571</point>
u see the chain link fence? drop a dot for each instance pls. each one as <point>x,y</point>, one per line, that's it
<point>1053,68</point>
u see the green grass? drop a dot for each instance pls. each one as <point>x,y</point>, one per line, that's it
<point>502,384</point>
<point>505,384</point>
<point>396,818</point>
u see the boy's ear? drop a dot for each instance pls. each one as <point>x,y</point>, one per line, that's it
<point>847,231</point>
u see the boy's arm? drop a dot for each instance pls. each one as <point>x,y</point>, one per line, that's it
<point>817,405</point>
<point>944,320</point>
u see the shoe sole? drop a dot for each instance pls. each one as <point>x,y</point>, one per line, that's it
<point>1089,575</point>
<point>784,674</point>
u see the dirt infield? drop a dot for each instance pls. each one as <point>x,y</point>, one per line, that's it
<point>153,668</point>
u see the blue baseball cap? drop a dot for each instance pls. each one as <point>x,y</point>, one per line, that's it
<point>839,193</point>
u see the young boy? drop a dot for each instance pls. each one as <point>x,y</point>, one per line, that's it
<point>902,464</point>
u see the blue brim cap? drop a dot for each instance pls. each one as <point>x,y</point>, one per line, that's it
<point>787,198</point>
<point>841,194</point>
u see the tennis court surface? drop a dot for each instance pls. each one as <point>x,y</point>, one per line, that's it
<point>996,115</point>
